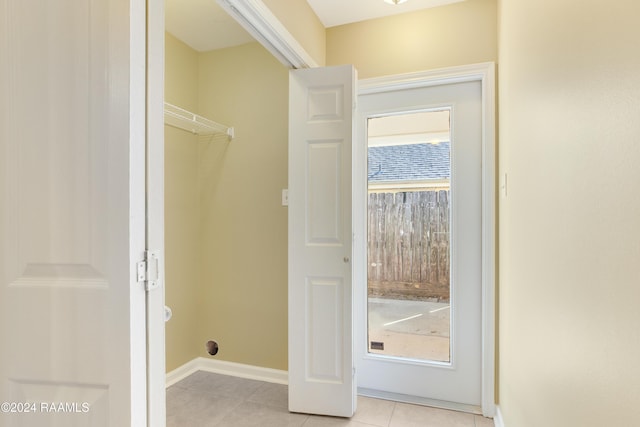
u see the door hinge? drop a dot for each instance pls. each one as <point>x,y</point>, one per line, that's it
<point>148,270</point>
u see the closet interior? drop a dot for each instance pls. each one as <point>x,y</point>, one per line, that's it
<point>225,226</point>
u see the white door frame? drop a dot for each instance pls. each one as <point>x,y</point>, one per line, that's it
<point>485,74</point>
<point>156,363</point>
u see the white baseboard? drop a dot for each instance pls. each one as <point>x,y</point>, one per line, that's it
<point>497,420</point>
<point>227,368</point>
<point>182,372</point>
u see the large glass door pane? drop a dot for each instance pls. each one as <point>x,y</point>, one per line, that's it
<point>408,254</point>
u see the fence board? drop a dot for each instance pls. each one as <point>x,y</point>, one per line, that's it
<point>409,241</point>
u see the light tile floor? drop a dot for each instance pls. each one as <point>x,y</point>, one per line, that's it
<point>205,399</point>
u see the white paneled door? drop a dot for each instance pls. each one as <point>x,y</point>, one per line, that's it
<point>321,375</point>
<point>72,213</point>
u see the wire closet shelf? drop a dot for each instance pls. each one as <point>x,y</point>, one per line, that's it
<point>198,125</point>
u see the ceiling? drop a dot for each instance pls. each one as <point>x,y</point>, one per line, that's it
<point>339,12</point>
<point>204,26</point>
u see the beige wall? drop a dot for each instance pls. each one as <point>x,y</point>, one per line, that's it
<point>181,208</point>
<point>243,290</point>
<point>570,225</point>
<point>303,24</point>
<point>226,231</point>
<point>458,34</point>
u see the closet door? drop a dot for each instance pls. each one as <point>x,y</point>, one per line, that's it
<point>321,374</point>
<point>72,213</point>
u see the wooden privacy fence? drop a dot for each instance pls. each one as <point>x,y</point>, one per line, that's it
<point>408,252</point>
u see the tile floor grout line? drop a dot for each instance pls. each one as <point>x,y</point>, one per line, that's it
<point>393,411</point>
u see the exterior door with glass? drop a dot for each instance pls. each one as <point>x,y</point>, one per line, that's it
<point>418,283</point>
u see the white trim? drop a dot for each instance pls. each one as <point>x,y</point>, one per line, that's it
<point>485,73</point>
<point>135,86</point>
<point>415,400</point>
<point>462,73</point>
<point>498,421</point>
<point>488,239</point>
<point>397,186</point>
<point>182,372</point>
<point>406,139</point>
<point>227,368</point>
<point>258,20</point>
<point>156,360</point>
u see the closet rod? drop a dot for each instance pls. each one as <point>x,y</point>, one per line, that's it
<point>186,120</point>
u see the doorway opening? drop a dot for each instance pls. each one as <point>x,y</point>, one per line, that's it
<point>408,252</point>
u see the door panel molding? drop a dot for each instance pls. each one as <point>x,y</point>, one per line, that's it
<point>320,245</point>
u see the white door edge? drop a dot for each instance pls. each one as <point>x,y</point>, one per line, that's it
<point>485,74</point>
<point>156,362</point>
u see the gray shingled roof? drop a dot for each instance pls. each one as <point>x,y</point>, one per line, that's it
<point>409,162</point>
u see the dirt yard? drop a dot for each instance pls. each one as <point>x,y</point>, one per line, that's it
<point>423,291</point>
